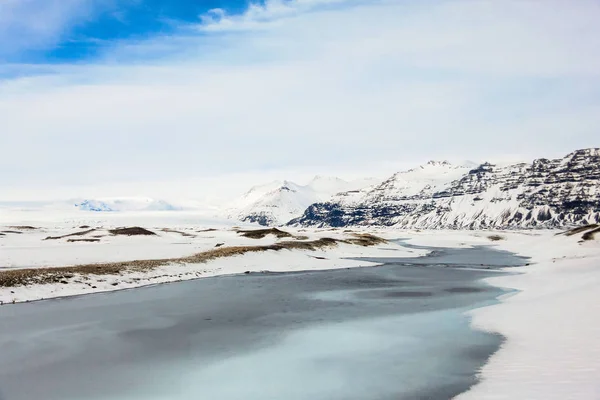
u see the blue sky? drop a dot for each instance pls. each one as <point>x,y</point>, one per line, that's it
<point>123,92</point>
<point>90,27</point>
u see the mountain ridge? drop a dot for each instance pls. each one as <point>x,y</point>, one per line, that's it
<point>541,194</point>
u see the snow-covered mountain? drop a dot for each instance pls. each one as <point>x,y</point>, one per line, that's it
<point>545,193</point>
<point>124,204</point>
<point>280,201</point>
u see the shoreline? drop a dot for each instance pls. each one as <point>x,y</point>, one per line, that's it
<point>149,285</point>
<point>320,251</point>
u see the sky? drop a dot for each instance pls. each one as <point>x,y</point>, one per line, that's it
<point>135,97</point>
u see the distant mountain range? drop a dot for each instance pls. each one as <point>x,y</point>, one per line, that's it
<point>436,195</point>
<point>544,193</point>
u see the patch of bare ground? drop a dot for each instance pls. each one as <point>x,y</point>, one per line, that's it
<point>23,227</point>
<point>309,245</point>
<point>365,239</point>
<point>590,235</point>
<point>15,232</point>
<point>206,230</point>
<point>29,276</point>
<point>579,229</point>
<point>261,233</point>
<point>495,238</point>
<point>82,233</point>
<point>83,240</point>
<point>179,232</point>
<point>131,231</point>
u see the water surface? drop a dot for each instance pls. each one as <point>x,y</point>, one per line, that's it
<point>397,331</point>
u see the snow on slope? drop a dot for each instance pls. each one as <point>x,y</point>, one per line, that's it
<point>545,193</point>
<point>278,202</point>
<point>421,181</point>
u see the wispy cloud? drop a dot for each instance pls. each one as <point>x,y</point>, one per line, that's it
<point>312,84</point>
<point>260,15</point>
<point>32,24</point>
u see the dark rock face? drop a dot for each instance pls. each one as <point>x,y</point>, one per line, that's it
<point>259,218</point>
<point>543,194</point>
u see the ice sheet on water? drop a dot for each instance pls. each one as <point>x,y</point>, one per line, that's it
<point>381,358</point>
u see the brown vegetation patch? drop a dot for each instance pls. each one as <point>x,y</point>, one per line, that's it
<point>365,239</point>
<point>261,233</point>
<point>310,245</point>
<point>15,232</point>
<point>23,227</point>
<point>82,233</point>
<point>495,238</point>
<point>83,240</point>
<point>590,235</point>
<point>21,277</point>
<point>132,231</point>
<point>207,230</point>
<point>580,229</point>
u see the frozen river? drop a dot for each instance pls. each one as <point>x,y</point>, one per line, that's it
<point>392,332</point>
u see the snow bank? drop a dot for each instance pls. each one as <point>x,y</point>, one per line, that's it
<point>552,325</point>
<point>29,249</point>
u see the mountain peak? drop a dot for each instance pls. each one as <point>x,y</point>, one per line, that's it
<point>279,202</point>
<point>589,152</point>
<point>436,163</point>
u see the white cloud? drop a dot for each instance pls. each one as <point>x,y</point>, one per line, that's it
<point>307,86</point>
<point>33,24</point>
<point>262,15</point>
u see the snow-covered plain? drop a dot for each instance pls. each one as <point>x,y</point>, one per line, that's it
<point>551,324</point>
<point>177,235</point>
